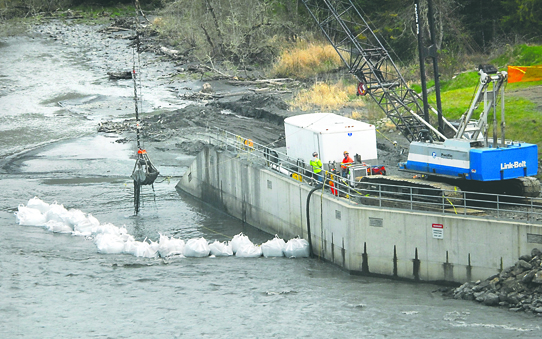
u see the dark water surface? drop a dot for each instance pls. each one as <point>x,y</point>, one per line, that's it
<point>59,286</point>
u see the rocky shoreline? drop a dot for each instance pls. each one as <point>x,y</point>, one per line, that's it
<point>518,287</point>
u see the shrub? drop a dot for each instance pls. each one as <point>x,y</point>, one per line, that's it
<point>327,97</point>
<point>306,60</point>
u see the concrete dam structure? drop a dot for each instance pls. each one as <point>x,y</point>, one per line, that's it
<point>418,245</point>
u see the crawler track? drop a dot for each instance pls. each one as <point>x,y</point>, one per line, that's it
<point>521,187</point>
<point>411,188</point>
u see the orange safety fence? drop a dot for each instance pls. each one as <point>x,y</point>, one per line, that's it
<point>524,73</point>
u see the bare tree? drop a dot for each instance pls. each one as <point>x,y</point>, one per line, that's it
<point>238,30</point>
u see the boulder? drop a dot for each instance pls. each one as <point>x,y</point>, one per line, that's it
<point>528,277</point>
<point>494,283</point>
<point>537,278</point>
<point>505,274</point>
<point>511,285</point>
<point>491,299</point>
<point>512,298</point>
<point>481,286</point>
<point>207,88</point>
<point>479,296</point>
<point>464,292</point>
<point>524,265</point>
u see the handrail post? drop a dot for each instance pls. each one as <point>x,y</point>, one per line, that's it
<point>531,216</point>
<point>411,205</point>
<point>464,203</point>
<point>379,195</point>
<point>498,208</point>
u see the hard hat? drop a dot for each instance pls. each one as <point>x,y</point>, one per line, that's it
<point>315,154</point>
<point>345,152</point>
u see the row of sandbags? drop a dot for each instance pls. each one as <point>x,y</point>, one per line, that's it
<point>241,246</point>
<point>111,239</point>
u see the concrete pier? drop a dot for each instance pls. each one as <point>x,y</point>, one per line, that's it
<point>424,246</point>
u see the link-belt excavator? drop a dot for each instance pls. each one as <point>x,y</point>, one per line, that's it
<point>459,154</point>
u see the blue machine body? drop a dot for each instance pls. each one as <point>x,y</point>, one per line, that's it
<point>456,158</point>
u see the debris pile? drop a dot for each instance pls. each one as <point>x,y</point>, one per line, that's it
<point>517,287</point>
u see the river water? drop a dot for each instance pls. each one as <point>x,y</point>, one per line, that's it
<point>53,93</point>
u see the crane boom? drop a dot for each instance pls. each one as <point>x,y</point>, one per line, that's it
<point>467,160</point>
<point>368,60</point>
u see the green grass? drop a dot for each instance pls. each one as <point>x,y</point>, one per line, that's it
<point>520,85</point>
<point>523,117</point>
<point>454,102</point>
<point>523,121</point>
<point>520,55</point>
<point>461,81</point>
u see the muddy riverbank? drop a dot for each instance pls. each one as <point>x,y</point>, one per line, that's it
<point>207,97</point>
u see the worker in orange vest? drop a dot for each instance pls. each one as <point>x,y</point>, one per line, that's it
<point>345,164</point>
<point>332,186</point>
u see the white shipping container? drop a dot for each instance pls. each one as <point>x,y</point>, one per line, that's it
<point>330,135</point>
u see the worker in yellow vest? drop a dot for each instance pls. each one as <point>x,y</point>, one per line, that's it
<point>316,167</point>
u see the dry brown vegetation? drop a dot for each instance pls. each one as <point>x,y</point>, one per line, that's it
<point>327,97</point>
<point>310,59</point>
<point>304,60</point>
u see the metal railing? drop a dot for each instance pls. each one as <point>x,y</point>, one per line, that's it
<point>388,195</point>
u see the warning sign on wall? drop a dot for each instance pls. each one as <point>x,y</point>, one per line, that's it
<point>438,231</point>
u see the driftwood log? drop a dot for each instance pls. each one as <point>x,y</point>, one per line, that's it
<point>208,96</point>
<point>280,81</point>
<point>120,75</point>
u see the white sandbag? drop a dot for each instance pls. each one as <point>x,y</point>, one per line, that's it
<point>108,228</point>
<point>154,246</point>
<point>273,247</point>
<point>144,249</point>
<point>57,213</point>
<point>238,241</point>
<point>76,218</point>
<point>27,216</point>
<point>220,249</point>
<point>297,248</point>
<point>85,226</point>
<point>109,244</point>
<point>170,246</point>
<point>197,247</point>
<point>130,247</point>
<point>58,227</point>
<point>38,204</point>
<point>249,251</point>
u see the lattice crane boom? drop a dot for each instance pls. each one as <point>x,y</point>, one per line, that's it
<point>368,60</point>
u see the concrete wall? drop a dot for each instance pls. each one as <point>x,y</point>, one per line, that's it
<point>359,238</point>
